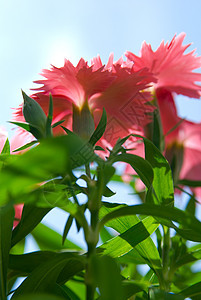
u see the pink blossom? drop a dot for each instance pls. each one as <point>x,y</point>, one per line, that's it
<point>186,134</point>
<point>174,71</point>
<point>172,68</point>
<point>115,87</point>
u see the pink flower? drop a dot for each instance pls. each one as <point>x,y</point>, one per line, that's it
<point>186,134</point>
<point>174,71</point>
<point>115,87</point>
<point>172,68</point>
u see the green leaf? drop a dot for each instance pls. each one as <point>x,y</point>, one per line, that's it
<point>162,181</point>
<point>6,224</point>
<point>141,166</point>
<point>108,192</point>
<point>57,123</point>
<point>40,296</point>
<point>67,228</point>
<point>131,287</point>
<point>134,233</point>
<point>23,125</point>
<point>190,208</point>
<point>192,227</point>
<point>191,183</point>
<point>27,263</point>
<point>31,216</point>
<point>100,129</point>
<point>105,235</point>
<point>53,157</point>
<point>109,283</point>
<point>99,148</point>
<point>48,239</point>
<point>136,237</point>
<point>6,148</point>
<point>129,239</point>
<point>192,290</point>
<point>156,294</point>
<point>44,277</point>
<point>76,290</point>
<point>193,255</point>
<point>49,118</point>
<point>26,146</point>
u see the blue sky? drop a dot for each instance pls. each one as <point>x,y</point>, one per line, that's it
<point>35,34</point>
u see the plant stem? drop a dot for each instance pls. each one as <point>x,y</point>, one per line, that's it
<point>94,204</point>
<point>88,172</point>
<point>165,253</point>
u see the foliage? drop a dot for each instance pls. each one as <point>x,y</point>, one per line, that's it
<point>121,239</point>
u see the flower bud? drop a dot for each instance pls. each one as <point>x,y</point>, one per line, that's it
<point>175,155</point>
<point>35,116</point>
<point>83,122</point>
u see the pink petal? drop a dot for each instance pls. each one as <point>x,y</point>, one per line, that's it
<point>172,68</point>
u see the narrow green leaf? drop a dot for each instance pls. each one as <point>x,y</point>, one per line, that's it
<point>27,263</point>
<point>192,290</point>
<point>25,126</point>
<point>76,290</point>
<point>141,166</point>
<point>108,192</point>
<point>192,227</point>
<point>6,148</point>
<point>193,255</point>
<point>140,240</point>
<point>31,216</point>
<point>190,208</point>
<point>6,224</point>
<point>191,183</point>
<point>157,294</point>
<point>53,157</point>
<point>162,181</point>
<point>26,146</point>
<point>105,235</point>
<point>49,118</point>
<point>68,131</point>
<point>39,296</point>
<point>67,228</point>
<point>109,283</point>
<point>131,287</point>
<point>100,129</point>
<point>48,239</point>
<point>57,123</point>
<point>99,148</point>
<point>43,278</point>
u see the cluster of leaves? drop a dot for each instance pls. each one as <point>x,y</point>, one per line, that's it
<point>44,177</point>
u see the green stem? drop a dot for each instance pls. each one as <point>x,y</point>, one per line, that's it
<point>90,286</point>
<point>165,255</point>
<point>94,201</point>
<point>88,172</point>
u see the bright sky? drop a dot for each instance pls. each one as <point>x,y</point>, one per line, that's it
<point>35,34</point>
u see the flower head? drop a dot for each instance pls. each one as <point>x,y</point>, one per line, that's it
<point>115,87</point>
<point>172,68</point>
